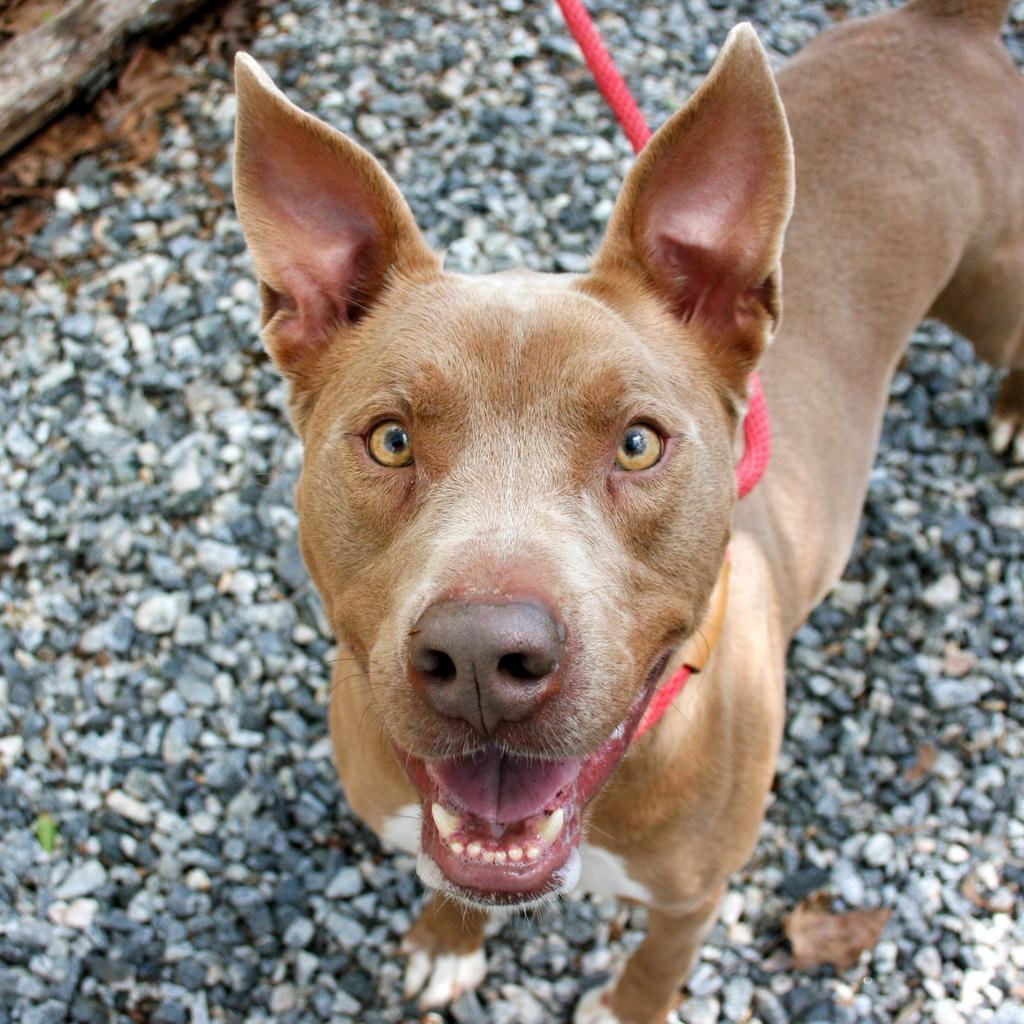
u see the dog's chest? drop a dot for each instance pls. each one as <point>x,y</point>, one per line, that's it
<point>604,874</point>
<point>401,830</point>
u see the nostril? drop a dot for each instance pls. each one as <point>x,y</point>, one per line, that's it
<point>526,666</point>
<point>437,666</point>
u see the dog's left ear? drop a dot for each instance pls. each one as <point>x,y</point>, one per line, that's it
<point>703,211</point>
<point>327,228</point>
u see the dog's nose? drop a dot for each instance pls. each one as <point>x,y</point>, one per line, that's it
<point>486,663</point>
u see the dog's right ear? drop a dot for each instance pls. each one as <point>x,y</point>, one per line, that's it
<point>702,213</point>
<point>326,226</point>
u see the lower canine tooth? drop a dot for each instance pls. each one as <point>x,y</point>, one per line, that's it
<point>473,850</point>
<point>445,821</point>
<point>551,826</point>
<point>515,854</point>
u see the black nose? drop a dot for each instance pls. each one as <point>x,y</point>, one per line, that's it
<point>486,663</point>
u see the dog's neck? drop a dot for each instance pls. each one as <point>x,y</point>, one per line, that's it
<point>854,292</point>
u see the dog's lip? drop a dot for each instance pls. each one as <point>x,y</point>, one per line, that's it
<point>573,784</point>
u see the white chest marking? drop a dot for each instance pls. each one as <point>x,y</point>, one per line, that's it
<point>402,829</point>
<point>591,1009</point>
<point>604,874</point>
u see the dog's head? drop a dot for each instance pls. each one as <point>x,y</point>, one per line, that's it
<point>517,489</point>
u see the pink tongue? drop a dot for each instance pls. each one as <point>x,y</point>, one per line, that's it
<point>501,787</point>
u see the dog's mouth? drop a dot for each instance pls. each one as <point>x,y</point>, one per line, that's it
<point>503,828</point>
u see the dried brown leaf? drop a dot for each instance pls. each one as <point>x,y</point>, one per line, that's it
<point>927,755</point>
<point>18,16</point>
<point>130,113</point>
<point>28,219</point>
<point>819,936</point>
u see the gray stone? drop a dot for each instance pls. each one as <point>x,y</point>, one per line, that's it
<point>736,996</point>
<point>175,745</point>
<point>299,933</point>
<point>83,880</point>
<point>952,693</point>
<point>699,1010</point>
<point>346,883</point>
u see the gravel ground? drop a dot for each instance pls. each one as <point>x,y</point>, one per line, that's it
<point>175,847</point>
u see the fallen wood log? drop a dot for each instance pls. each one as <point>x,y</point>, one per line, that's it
<point>74,56</point>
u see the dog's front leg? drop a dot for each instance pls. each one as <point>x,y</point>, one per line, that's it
<point>446,952</point>
<point>647,990</point>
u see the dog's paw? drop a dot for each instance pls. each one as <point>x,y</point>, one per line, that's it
<point>594,1007</point>
<point>440,978</point>
<point>1007,422</point>
<point>1007,435</point>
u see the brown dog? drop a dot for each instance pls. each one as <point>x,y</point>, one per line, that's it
<point>518,489</point>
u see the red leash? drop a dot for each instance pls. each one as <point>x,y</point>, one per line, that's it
<point>757,435</point>
<point>606,74</point>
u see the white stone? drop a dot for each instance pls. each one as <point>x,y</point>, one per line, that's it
<point>928,962</point>
<point>198,880</point>
<point>943,593</point>
<point>128,807</point>
<point>945,1012</point>
<point>11,748</point>
<point>957,854</point>
<point>81,913</point>
<point>157,614</point>
<point>283,999</point>
<point>879,850</point>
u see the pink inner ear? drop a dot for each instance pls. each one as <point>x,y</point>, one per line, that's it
<point>320,287</point>
<point>708,195</point>
<point>703,214</point>
<point>697,285</point>
<point>326,239</point>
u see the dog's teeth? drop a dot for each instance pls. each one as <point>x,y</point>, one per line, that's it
<point>551,826</point>
<point>515,854</point>
<point>445,821</point>
<point>488,857</point>
<point>456,847</point>
<point>473,850</point>
<point>533,853</point>
<point>499,857</point>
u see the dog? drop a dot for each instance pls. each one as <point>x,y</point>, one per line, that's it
<point>518,498</point>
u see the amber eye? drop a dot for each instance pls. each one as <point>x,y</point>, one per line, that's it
<point>390,445</point>
<point>640,447</point>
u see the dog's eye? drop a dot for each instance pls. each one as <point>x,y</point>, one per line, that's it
<point>390,445</point>
<point>640,447</point>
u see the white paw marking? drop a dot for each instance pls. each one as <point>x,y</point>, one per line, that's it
<point>402,829</point>
<point>440,979</point>
<point>592,1009</point>
<point>1007,435</point>
<point>604,874</point>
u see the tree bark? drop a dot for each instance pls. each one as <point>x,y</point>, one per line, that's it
<point>74,56</point>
